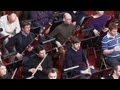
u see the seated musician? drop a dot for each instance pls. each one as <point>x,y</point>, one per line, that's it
<point>98,22</point>
<point>10,25</point>
<point>3,72</point>
<point>30,67</point>
<point>115,74</point>
<point>21,40</point>
<point>111,45</point>
<point>52,73</point>
<point>75,56</point>
<point>64,30</point>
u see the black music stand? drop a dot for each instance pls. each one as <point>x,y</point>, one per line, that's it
<point>90,43</point>
<point>48,42</point>
<point>67,73</point>
<point>85,43</point>
<point>80,76</point>
<point>12,66</point>
<point>36,30</point>
<point>102,73</point>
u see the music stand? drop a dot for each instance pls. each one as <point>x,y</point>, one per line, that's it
<point>12,66</point>
<point>102,73</point>
<point>67,72</point>
<point>75,77</point>
<point>36,30</point>
<point>80,76</point>
<point>85,43</point>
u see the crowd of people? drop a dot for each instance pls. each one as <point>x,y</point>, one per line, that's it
<point>51,50</point>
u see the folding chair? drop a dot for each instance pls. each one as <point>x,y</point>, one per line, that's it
<point>103,63</point>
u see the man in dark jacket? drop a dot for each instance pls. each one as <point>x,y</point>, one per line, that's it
<point>21,40</point>
<point>75,56</point>
<point>38,65</point>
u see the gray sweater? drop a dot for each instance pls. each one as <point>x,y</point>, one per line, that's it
<point>62,32</point>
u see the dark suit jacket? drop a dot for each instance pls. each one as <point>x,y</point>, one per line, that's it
<point>19,41</point>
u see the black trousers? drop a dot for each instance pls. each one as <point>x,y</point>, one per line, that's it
<point>112,61</point>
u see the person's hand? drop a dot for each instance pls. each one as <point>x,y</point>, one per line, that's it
<point>96,32</point>
<point>30,48</point>
<point>58,44</point>
<point>10,36</point>
<point>74,23</point>
<point>40,68</point>
<point>50,23</point>
<point>19,56</point>
<point>105,29</point>
<point>32,70</point>
<point>117,48</point>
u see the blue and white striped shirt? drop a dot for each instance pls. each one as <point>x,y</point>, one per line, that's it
<point>108,42</point>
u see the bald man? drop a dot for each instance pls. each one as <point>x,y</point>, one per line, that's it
<point>64,30</point>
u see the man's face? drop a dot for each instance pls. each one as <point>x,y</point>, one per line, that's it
<point>26,29</point>
<point>3,70</point>
<point>118,71</point>
<point>113,32</point>
<point>68,19</point>
<point>52,75</point>
<point>12,18</point>
<point>76,46</point>
<point>42,53</point>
